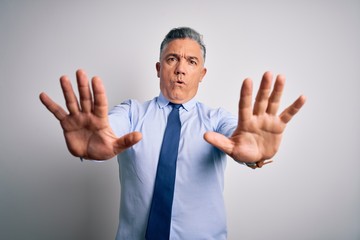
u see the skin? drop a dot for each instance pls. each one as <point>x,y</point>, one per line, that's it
<point>259,132</point>
<point>181,69</point>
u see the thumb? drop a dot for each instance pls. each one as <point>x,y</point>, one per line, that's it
<point>220,141</point>
<point>126,141</point>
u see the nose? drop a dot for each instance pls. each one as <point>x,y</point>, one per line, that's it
<point>181,67</point>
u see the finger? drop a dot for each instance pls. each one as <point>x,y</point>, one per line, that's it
<point>245,102</point>
<point>262,96</point>
<point>100,99</point>
<point>275,97</point>
<point>84,91</point>
<point>126,141</point>
<point>220,141</point>
<point>69,95</point>
<point>53,107</point>
<point>290,112</point>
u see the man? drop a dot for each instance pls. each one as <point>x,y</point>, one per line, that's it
<point>134,132</point>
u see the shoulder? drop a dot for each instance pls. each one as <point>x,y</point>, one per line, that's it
<point>124,116</point>
<point>131,105</point>
<point>211,112</point>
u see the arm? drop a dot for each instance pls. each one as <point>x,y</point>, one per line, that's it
<point>259,132</point>
<point>86,127</point>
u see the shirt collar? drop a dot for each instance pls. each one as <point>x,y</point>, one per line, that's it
<point>162,102</point>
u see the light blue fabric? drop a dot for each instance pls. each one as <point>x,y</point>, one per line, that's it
<point>198,207</point>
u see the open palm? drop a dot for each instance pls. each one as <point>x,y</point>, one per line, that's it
<point>86,127</point>
<point>259,132</point>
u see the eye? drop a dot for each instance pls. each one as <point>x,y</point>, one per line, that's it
<point>192,62</point>
<point>171,59</point>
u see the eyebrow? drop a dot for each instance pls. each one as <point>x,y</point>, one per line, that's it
<point>194,58</point>
<point>178,56</point>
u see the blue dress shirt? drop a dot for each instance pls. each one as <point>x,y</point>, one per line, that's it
<point>198,206</point>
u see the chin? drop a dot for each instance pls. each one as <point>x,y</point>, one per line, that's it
<point>176,100</point>
<point>175,95</point>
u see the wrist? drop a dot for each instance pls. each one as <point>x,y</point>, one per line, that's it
<point>252,165</point>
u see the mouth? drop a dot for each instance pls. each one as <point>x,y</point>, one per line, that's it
<point>179,82</point>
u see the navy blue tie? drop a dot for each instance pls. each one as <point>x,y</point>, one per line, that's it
<point>160,212</point>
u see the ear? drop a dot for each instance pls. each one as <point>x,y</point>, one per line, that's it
<point>158,69</point>
<point>203,73</point>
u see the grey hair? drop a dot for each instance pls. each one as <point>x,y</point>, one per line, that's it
<point>181,33</point>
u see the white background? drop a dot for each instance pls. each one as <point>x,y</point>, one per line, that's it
<point>312,191</point>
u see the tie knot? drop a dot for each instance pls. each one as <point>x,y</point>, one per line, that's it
<point>174,105</point>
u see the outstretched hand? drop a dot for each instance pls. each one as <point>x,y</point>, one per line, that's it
<point>259,132</point>
<point>86,127</point>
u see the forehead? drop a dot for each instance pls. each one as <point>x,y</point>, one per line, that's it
<point>186,46</point>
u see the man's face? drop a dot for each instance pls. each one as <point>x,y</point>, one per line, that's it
<point>181,69</point>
